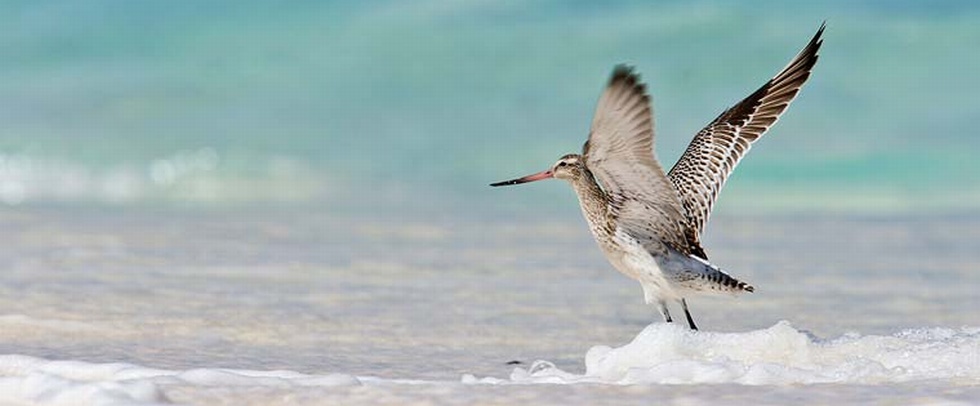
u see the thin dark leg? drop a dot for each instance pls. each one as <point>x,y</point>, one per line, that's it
<point>665,312</point>
<point>690,320</point>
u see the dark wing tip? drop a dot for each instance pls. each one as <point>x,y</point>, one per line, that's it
<point>798,71</point>
<point>623,72</point>
<point>809,53</point>
<point>627,75</point>
<point>817,40</point>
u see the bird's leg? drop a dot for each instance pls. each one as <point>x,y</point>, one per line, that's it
<point>663,310</point>
<point>690,320</point>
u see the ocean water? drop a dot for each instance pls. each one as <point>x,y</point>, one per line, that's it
<point>248,203</point>
<point>117,102</point>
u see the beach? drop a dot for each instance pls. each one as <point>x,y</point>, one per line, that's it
<point>300,307</point>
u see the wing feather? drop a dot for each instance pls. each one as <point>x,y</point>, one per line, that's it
<point>712,155</point>
<point>619,153</point>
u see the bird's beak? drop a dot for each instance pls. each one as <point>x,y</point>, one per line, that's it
<point>529,178</point>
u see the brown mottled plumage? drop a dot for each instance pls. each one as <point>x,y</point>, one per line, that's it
<point>648,223</point>
<point>710,158</point>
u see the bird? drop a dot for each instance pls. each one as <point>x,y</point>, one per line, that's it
<point>647,222</point>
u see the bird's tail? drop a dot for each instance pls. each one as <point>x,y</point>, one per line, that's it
<point>713,278</point>
<point>699,275</point>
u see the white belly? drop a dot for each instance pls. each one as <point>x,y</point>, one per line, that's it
<point>633,260</point>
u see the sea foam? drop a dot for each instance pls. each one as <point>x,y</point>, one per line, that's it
<point>25,379</point>
<point>781,354</point>
<point>660,354</point>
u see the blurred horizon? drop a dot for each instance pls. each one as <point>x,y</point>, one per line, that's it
<point>395,107</point>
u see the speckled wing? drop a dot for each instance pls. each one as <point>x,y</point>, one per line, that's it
<point>619,153</point>
<point>710,158</point>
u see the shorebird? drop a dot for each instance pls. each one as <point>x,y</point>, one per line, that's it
<point>648,223</point>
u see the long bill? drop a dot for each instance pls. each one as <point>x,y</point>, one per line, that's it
<point>529,178</point>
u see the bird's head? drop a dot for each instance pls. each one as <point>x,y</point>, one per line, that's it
<point>568,167</point>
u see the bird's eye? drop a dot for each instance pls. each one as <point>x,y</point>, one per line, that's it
<point>562,163</point>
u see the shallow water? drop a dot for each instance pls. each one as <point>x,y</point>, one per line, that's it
<point>304,307</point>
<point>241,101</point>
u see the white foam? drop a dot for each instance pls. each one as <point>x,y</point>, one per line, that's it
<point>660,354</point>
<point>781,354</point>
<point>193,176</point>
<point>25,379</point>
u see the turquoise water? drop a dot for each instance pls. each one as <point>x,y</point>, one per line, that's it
<point>417,107</point>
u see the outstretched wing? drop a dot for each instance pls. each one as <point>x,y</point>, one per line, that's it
<point>700,173</point>
<point>619,153</point>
